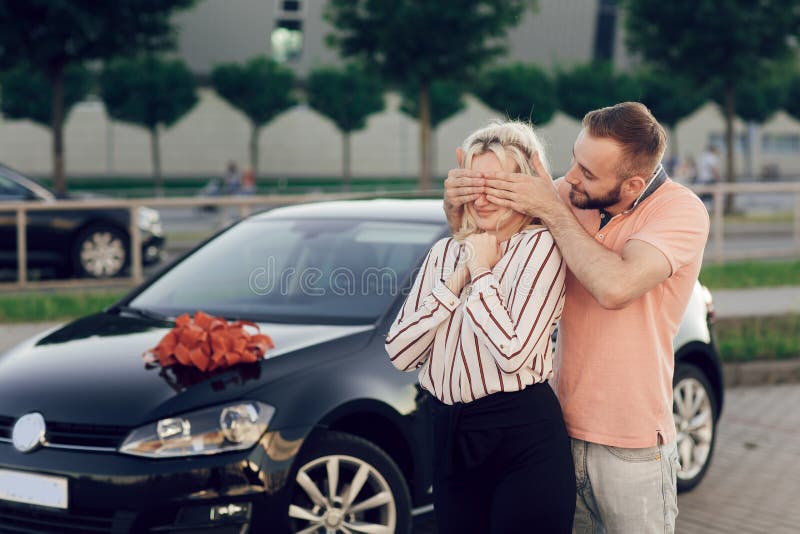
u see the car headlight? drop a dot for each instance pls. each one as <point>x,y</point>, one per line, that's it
<point>230,427</point>
<point>149,220</point>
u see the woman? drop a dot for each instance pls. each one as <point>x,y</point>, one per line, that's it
<point>478,325</point>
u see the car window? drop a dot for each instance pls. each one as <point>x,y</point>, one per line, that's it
<point>327,271</point>
<point>11,190</point>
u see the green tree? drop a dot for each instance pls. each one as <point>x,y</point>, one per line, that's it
<point>446,99</point>
<point>414,42</point>
<point>670,97</point>
<point>758,99</point>
<point>792,101</point>
<point>151,92</point>
<point>260,88</point>
<point>28,95</point>
<point>521,91</point>
<point>346,96</point>
<point>714,42</point>
<point>51,35</point>
<point>590,86</point>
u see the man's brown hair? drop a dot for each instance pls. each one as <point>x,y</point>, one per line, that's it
<point>637,131</point>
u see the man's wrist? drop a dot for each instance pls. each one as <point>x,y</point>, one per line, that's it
<point>553,212</point>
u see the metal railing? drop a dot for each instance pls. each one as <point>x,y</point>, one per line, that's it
<point>246,204</point>
<point>719,193</point>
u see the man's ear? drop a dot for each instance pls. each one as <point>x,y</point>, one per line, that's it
<point>635,185</point>
<point>460,157</point>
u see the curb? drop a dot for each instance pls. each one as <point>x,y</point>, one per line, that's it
<point>761,373</point>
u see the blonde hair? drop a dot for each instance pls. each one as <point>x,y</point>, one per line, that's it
<point>510,141</point>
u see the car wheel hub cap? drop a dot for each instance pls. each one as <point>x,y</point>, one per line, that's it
<point>694,422</point>
<point>333,518</point>
<point>102,254</point>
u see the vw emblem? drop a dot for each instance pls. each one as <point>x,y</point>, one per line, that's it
<point>29,432</point>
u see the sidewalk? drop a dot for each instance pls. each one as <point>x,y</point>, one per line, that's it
<point>758,301</point>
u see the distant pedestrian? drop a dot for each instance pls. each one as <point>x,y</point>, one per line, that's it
<point>709,170</point>
<point>686,171</point>
<point>248,181</point>
<point>232,181</point>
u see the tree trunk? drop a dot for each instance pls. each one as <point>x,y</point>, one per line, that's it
<point>346,161</point>
<point>256,129</point>
<point>425,136</point>
<point>57,126</point>
<point>730,113</point>
<point>155,152</point>
<point>752,140</point>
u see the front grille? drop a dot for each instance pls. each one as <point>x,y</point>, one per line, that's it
<point>86,435</point>
<point>32,520</point>
<point>74,435</point>
<point>6,424</point>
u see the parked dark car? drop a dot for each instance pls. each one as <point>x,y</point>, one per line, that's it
<point>323,435</point>
<point>74,242</point>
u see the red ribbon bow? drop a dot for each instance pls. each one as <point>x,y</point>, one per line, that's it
<point>210,343</point>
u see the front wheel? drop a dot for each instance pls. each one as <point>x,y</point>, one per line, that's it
<point>346,484</point>
<point>100,251</point>
<point>694,409</point>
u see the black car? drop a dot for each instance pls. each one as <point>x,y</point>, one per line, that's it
<point>323,435</point>
<point>90,243</point>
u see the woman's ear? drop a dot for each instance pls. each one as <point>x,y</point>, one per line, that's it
<point>460,157</point>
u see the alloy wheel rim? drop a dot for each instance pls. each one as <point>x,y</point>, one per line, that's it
<point>343,494</point>
<point>102,254</point>
<point>694,423</point>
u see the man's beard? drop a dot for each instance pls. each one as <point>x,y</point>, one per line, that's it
<point>585,202</point>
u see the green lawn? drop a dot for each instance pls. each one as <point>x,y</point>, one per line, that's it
<point>738,275</point>
<point>53,306</point>
<point>759,338</point>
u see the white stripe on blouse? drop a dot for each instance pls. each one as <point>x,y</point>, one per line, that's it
<point>496,335</point>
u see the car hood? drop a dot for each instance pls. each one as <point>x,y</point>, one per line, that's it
<point>92,371</point>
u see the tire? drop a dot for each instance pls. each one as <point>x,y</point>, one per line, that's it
<point>100,251</point>
<point>695,412</point>
<point>350,459</point>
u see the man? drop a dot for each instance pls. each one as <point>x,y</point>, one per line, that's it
<point>709,170</point>
<point>633,242</point>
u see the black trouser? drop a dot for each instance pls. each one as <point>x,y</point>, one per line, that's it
<point>503,464</point>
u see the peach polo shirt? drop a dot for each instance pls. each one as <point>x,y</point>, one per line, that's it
<point>613,368</point>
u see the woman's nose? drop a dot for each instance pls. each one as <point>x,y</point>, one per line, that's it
<point>481,200</point>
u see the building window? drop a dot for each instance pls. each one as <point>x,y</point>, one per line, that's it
<point>605,31</point>
<point>718,139</point>
<point>290,5</point>
<point>780,143</point>
<point>287,40</point>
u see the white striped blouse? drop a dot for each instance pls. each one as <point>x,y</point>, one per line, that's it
<point>496,335</point>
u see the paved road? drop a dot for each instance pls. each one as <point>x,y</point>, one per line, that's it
<point>753,484</point>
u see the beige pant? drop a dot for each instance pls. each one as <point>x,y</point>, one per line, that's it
<point>625,491</point>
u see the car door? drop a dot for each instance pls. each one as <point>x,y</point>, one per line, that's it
<point>10,191</point>
<point>45,230</point>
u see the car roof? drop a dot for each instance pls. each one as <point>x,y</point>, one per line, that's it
<point>411,210</point>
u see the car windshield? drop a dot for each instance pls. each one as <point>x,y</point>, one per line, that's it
<point>320,271</point>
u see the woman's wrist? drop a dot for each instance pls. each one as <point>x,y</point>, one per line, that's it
<point>458,279</point>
